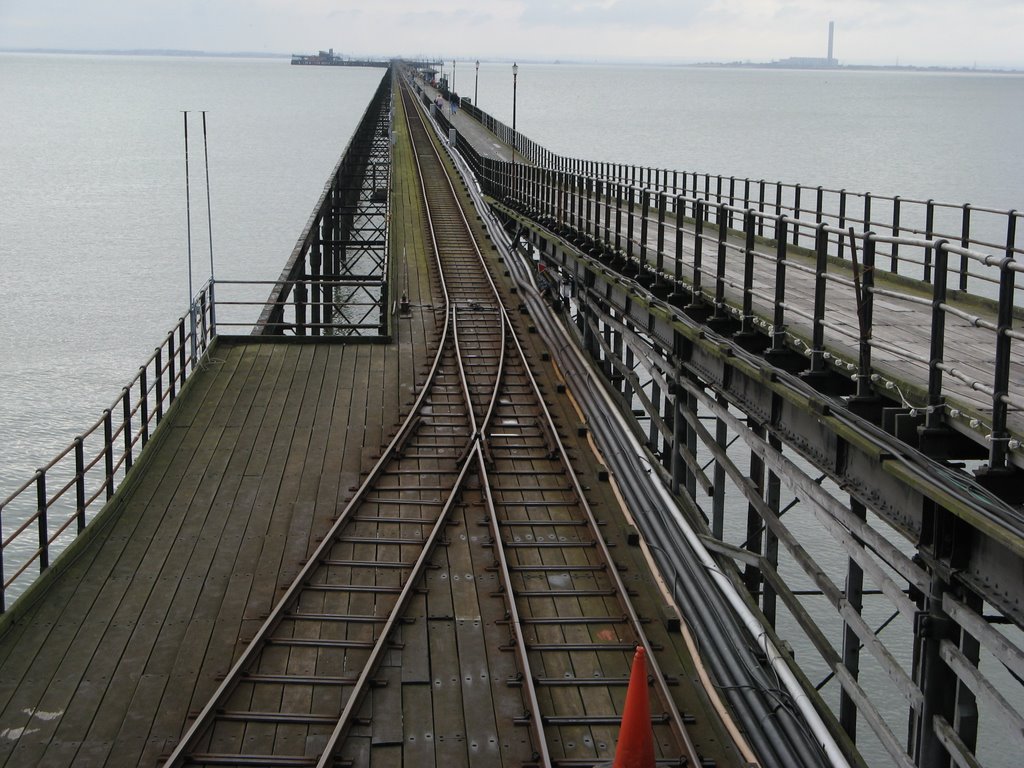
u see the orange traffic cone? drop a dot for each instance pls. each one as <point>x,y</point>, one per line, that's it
<point>636,739</point>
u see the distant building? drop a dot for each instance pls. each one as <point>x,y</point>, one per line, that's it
<point>322,58</point>
<point>812,62</point>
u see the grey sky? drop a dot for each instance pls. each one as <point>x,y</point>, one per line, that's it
<point>920,32</point>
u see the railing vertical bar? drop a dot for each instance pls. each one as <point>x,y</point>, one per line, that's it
<point>820,282</point>
<point>747,321</point>
<point>629,223</point>
<point>779,319</point>
<point>796,215</point>
<point>143,405</point>
<point>80,482</point>
<point>965,241</point>
<point>44,533</point>
<point>698,246</point>
<point>732,199</point>
<point>938,336</point>
<point>895,253</point>
<point>680,220</point>
<point>999,448</point>
<point>866,314</point>
<point>181,352</point>
<point>778,203</point>
<point>723,233</point>
<point>108,452</point>
<point>760,208</point>
<point>126,411</point>
<point>171,377</point>
<point>645,205</point>
<point>660,245</point>
<point>929,231</point>
<point>842,221</point>
<point>159,362</point>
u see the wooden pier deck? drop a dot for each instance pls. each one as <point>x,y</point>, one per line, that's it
<point>118,646</point>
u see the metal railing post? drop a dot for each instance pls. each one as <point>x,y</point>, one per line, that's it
<point>143,405</point>
<point>965,242</point>
<point>41,506</point>
<point>894,257</point>
<point>698,246</point>
<point>126,412</point>
<point>796,216</point>
<point>719,312</point>
<point>629,223</point>
<point>645,205</point>
<point>299,292</point>
<point>80,482</point>
<point>660,243</point>
<point>171,377</point>
<point>618,218</point>
<point>779,318</point>
<point>108,452</point>
<point>820,283</point>
<point>938,336</point>
<point>998,448</point>
<point>680,205</point>
<point>760,208</point>
<point>159,362</point>
<point>181,350</point>
<point>842,221</point>
<point>929,231</point>
<point>747,321</point>
<point>865,315</point>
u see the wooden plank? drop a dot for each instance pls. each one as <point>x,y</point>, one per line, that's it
<point>418,745</point>
<point>449,718</point>
<point>386,708</point>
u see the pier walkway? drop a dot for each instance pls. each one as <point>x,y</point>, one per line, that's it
<point>247,470</point>
<point>112,653</point>
<point>510,421</point>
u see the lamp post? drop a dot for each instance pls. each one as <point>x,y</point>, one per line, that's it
<point>476,84</point>
<point>515,77</point>
<point>453,76</point>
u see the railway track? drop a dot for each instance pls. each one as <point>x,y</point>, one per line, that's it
<point>479,443</point>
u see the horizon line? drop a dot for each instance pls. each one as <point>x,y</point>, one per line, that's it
<point>786,63</point>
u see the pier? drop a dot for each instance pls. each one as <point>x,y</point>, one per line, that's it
<point>506,417</point>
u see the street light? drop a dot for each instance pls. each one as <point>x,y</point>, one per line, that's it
<point>476,85</point>
<point>515,76</point>
<point>453,75</point>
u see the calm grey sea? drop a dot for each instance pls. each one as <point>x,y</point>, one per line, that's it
<point>92,184</point>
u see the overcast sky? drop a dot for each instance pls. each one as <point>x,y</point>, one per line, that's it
<point>919,32</point>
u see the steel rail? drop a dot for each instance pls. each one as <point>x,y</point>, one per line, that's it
<point>207,715</point>
<point>345,720</point>
<point>618,585</point>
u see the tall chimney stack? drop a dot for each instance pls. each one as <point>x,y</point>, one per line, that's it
<point>831,34</point>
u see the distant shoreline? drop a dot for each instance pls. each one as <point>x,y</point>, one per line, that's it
<point>153,52</point>
<point>783,64</point>
<point>858,67</point>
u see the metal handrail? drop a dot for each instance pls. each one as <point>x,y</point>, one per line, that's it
<point>37,538</point>
<point>581,209</point>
